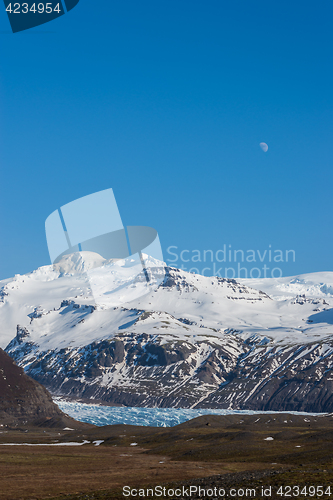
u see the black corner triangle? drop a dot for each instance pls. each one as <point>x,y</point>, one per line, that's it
<point>70,4</point>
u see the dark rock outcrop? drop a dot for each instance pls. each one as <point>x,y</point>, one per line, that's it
<point>25,401</point>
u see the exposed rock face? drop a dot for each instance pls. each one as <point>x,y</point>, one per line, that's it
<point>297,378</point>
<point>25,401</point>
<point>144,370</point>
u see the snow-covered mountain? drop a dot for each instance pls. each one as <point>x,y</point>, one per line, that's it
<point>187,341</point>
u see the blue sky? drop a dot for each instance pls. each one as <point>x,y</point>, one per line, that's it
<point>167,102</point>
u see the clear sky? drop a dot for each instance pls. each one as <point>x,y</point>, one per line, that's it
<point>166,102</point>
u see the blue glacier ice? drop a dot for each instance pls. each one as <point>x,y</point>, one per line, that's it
<point>154,417</point>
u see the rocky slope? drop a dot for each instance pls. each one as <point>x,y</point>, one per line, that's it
<point>142,370</point>
<point>25,401</point>
<point>193,342</point>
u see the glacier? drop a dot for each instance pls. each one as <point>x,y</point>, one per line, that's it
<point>153,417</point>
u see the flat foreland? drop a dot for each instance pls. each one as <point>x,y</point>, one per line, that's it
<point>225,451</point>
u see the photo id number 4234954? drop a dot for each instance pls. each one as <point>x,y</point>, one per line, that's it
<point>307,491</point>
<point>36,8</point>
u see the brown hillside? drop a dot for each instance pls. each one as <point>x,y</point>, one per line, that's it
<point>25,401</point>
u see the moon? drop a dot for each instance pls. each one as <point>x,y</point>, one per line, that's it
<point>264,147</point>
